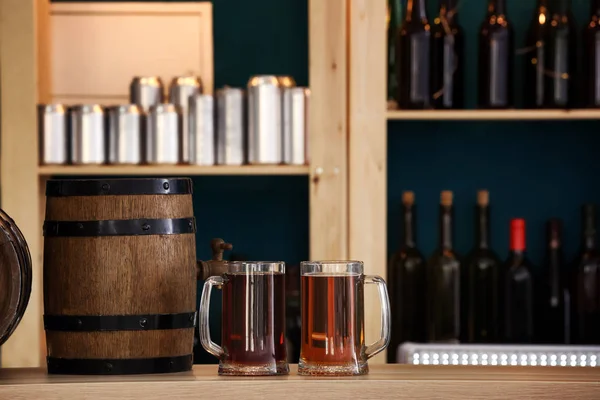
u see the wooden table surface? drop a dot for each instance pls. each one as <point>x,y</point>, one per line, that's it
<point>383,382</point>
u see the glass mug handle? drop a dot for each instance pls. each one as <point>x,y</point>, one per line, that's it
<point>384,340</point>
<point>204,316</point>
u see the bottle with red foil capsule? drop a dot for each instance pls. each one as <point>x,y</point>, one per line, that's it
<point>518,289</point>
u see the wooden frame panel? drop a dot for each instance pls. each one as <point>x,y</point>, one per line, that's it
<point>168,39</point>
<point>368,149</point>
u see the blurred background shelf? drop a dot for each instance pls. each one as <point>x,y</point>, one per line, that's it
<point>501,115</point>
<point>47,170</point>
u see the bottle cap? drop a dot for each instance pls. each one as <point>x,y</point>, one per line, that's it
<point>408,198</point>
<point>483,198</point>
<point>517,234</point>
<point>446,198</point>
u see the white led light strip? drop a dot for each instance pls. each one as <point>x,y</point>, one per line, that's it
<point>503,355</point>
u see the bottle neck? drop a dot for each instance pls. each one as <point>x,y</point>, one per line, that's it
<point>561,7</point>
<point>554,251</point>
<point>448,10</point>
<point>446,227</point>
<point>395,12</point>
<point>410,224</point>
<point>588,227</point>
<point>497,7</point>
<point>482,226</point>
<point>595,8</point>
<point>415,10</point>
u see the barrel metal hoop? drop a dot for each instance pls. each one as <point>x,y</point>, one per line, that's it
<point>103,323</point>
<point>118,187</point>
<point>120,227</point>
<point>120,366</point>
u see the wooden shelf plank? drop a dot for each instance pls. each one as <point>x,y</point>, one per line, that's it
<point>48,170</point>
<point>383,382</point>
<point>501,115</point>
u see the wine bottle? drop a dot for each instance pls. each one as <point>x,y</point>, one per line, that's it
<point>553,301</point>
<point>481,281</point>
<point>591,58</point>
<point>413,46</point>
<point>561,48</point>
<point>406,277</point>
<point>586,283</point>
<point>496,55</point>
<point>535,58</point>
<point>443,278</point>
<point>447,58</point>
<point>395,18</point>
<point>518,289</point>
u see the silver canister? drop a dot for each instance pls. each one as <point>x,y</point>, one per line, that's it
<point>180,91</point>
<point>286,81</point>
<point>202,130</point>
<point>146,91</point>
<point>264,120</point>
<point>163,134</point>
<point>295,125</point>
<point>231,123</point>
<point>125,130</point>
<point>52,127</point>
<point>88,141</point>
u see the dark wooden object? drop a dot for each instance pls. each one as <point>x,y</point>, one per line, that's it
<point>15,276</point>
<point>119,299</point>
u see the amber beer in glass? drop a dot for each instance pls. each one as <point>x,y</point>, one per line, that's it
<point>333,318</point>
<point>253,319</point>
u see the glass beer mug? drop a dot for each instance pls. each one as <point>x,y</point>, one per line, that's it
<point>253,319</point>
<point>333,339</point>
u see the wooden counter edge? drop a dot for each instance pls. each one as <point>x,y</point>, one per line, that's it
<point>383,382</point>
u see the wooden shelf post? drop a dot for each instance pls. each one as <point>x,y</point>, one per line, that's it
<point>22,63</point>
<point>368,149</point>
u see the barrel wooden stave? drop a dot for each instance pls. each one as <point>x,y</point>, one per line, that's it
<point>120,344</point>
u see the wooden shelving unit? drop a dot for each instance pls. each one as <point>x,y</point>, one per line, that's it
<point>171,170</point>
<point>29,68</point>
<point>492,115</point>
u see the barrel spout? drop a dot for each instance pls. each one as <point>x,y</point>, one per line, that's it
<point>215,266</point>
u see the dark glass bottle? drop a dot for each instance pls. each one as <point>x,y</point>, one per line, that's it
<point>552,315</point>
<point>518,289</point>
<point>496,55</point>
<point>413,48</point>
<point>535,58</point>
<point>561,57</point>
<point>591,58</point>
<point>395,18</point>
<point>443,279</point>
<point>447,58</point>
<point>586,283</point>
<point>406,278</point>
<point>481,281</point>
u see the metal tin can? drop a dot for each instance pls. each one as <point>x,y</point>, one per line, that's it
<point>295,125</point>
<point>88,140</point>
<point>146,91</point>
<point>231,122</point>
<point>125,130</point>
<point>52,127</point>
<point>202,130</point>
<point>264,120</point>
<point>180,91</point>
<point>164,130</point>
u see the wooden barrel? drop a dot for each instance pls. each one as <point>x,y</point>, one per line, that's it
<point>119,276</point>
<point>15,276</point>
